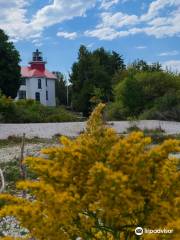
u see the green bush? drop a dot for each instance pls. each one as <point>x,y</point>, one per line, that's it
<point>166,107</point>
<point>147,95</point>
<point>30,111</point>
<point>115,111</point>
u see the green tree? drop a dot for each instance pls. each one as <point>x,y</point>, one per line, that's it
<point>61,89</point>
<point>132,96</point>
<point>93,70</point>
<point>156,85</point>
<point>9,67</point>
<point>81,81</point>
<point>143,66</point>
<point>138,66</point>
<point>148,95</point>
<point>111,61</point>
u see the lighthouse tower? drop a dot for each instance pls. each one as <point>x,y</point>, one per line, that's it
<point>37,82</point>
<point>37,61</point>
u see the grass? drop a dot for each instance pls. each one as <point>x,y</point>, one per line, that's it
<point>11,169</point>
<point>12,175</point>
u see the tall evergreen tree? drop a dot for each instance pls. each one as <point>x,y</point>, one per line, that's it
<point>61,89</point>
<point>143,66</point>
<point>81,79</point>
<point>93,70</point>
<point>9,67</point>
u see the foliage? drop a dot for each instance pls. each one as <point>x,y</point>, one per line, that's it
<point>9,67</point>
<point>132,96</point>
<point>147,95</point>
<point>30,111</point>
<point>100,186</point>
<point>61,89</point>
<point>143,66</point>
<point>12,174</point>
<point>93,70</point>
<point>116,111</point>
<point>166,107</point>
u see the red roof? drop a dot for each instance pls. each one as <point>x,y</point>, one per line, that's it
<point>29,72</point>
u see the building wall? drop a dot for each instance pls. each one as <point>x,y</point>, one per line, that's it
<point>51,92</point>
<point>31,88</point>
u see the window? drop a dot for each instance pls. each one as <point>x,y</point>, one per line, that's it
<point>22,94</point>
<point>23,81</point>
<point>46,82</point>
<point>46,95</point>
<point>39,84</point>
<point>37,96</point>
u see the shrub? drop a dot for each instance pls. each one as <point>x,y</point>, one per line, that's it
<point>30,111</point>
<point>166,107</point>
<point>100,186</point>
<point>116,111</point>
<point>148,95</point>
<point>7,109</point>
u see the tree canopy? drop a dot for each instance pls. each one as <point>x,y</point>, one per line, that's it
<point>93,70</point>
<point>146,95</point>
<point>9,67</point>
<point>61,89</point>
<point>143,66</point>
<point>100,186</point>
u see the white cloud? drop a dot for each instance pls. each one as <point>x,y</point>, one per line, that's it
<point>117,20</point>
<point>107,29</point>
<point>106,4</point>
<point>156,6</point>
<point>90,45</point>
<point>102,33</point>
<point>68,35</point>
<point>61,10</point>
<point>141,47</point>
<point>106,33</point>
<point>37,42</point>
<point>152,23</point>
<point>172,65</point>
<point>170,53</point>
<point>14,21</point>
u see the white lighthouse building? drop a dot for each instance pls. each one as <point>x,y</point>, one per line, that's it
<point>37,83</point>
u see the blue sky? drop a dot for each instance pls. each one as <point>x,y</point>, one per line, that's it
<point>144,29</point>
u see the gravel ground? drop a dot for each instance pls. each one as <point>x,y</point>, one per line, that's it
<point>48,130</point>
<point>41,130</point>
<point>10,153</point>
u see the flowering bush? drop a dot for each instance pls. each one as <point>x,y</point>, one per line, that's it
<point>100,186</point>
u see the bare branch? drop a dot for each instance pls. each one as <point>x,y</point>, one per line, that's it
<point>2,181</point>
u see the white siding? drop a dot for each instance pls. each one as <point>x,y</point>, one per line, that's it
<point>31,88</point>
<point>51,92</point>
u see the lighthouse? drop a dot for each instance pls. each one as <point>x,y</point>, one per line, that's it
<point>37,82</point>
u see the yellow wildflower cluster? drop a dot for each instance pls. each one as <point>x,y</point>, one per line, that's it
<point>100,186</point>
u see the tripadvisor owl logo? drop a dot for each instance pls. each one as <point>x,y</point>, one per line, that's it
<point>139,231</point>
